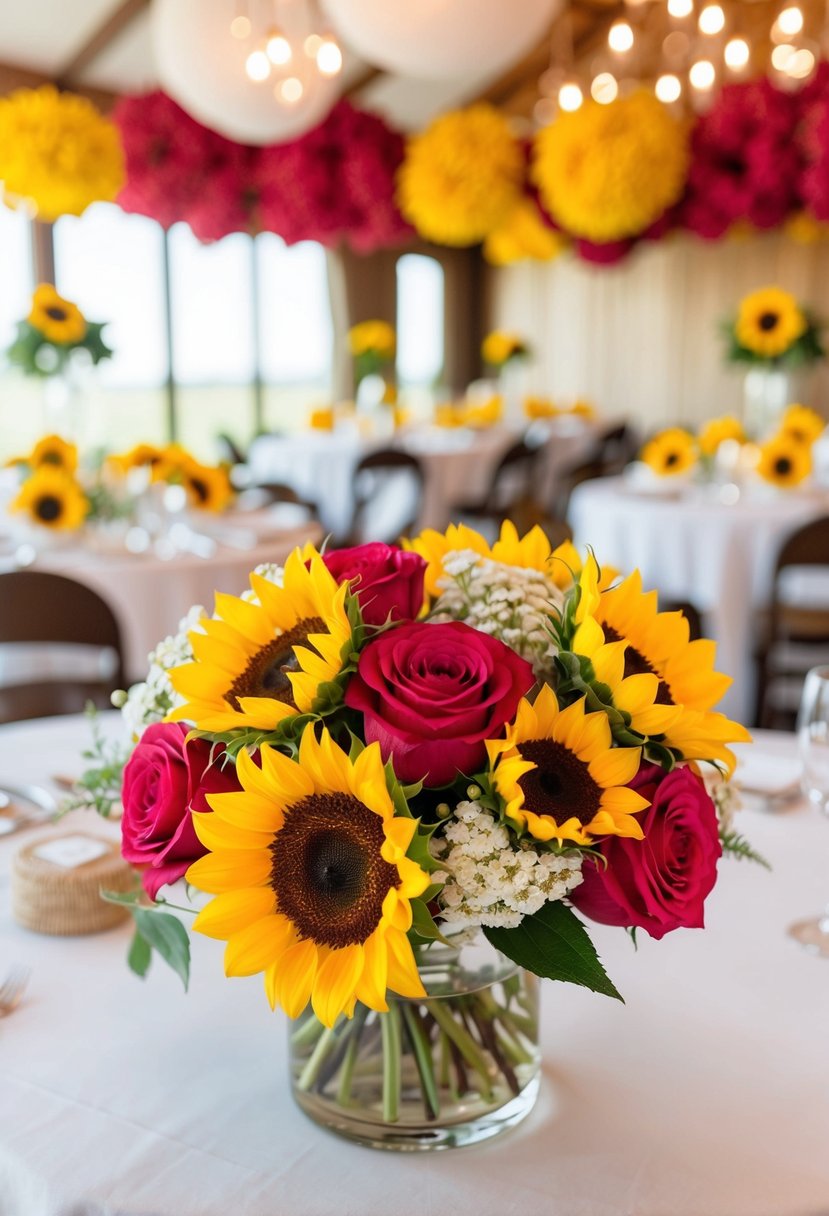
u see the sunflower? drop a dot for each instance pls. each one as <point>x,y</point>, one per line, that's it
<point>500,347</point>
<point>173,462</point>
<point>208,488</point>
<point>802,423</point>
<point>717,431</point>
<point>372,338</point>
<point>540,407</point>
<point>138,457</point>
<point>658,643</point>
<point>312,883</point>
<point>670,452</point>
<point>257,663</point>
<point>60,321</point>
<point>53,499</point>
<point>55,452</point>
<point>560,776</point>
<point>784,461</point>
<point>769,322</point>
<point>530,552</point>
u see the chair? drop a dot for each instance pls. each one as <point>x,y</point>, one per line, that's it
<point>38,608</point>
<point>607,457</point>
<point>381,511</point>
<point>510,492</point>
<point>266,493</point>
<point>794,635</point>
<point>229,450</point>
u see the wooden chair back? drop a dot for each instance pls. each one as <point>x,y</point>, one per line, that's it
<point>374,478</point>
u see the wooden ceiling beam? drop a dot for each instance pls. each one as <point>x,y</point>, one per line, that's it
<point>13,77</point>
<point>103,37</point>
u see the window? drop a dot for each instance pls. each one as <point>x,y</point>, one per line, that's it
<point>420,316</point>
<point>111,265</point>
<point>295,329</point>
<point>20,397</point>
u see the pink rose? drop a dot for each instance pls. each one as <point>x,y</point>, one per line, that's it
<point>164,780</point>
<point>659,883</point>
<point>389,581</point>
<point>432,694</point>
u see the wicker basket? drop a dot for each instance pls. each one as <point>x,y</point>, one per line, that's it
<point>47,898</point>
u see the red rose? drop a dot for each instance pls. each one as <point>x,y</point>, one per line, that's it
<point>389,581</point>
<point>659,883</point>
<point>432,695</point>
<point>164,780</point>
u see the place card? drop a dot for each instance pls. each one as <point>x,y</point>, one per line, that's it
<point>70,852</point>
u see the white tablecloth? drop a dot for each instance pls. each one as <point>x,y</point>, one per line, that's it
<point>458,464</point>
<point>150,596</point>
<point>696,548</point>
<point>704,1095</point>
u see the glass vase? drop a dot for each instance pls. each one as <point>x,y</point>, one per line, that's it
<point>455,1068</point>
<point>766,394</point>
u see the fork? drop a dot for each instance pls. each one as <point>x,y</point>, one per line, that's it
<point>12,989</point>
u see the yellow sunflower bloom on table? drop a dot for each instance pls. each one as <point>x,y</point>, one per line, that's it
<point>52,499</point>
<point>258,663</point>
<point>671,452</point>
<point>658,643</point>
<point>60,321</point>
<point>530,552</point>
<point>784,461</point>
<point>56,452</point>
<point>802,423</point>
<point>372,338</point>
<point>500,347</point>
<point>142,455</point>
<point>719,430</point>
<point>560,776</point>
<point>208,487</point>
<point>311,880</point>
<point>769,322</point>
<point>540,407</point>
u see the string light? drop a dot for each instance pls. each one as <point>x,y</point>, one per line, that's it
<point>781,55</point>
<point>258,66</point>
<point>570,96</point>
<point>668,88</point>
<point>312,45</point>
<point>278,48</point>
<point>329,57</point>
<point>702,75</point>
<point>711,19</point>
<point>605,88</point>
<point>790,21</point>
<point>736,53</point>
<point>291,90</point>
<point>680,8</point>
<point>240,26</point>
<point>801,64</point>
<point>544,111</point>
<point>620,37</point>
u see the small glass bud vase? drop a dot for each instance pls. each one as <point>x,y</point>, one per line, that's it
<point>454,1068</point>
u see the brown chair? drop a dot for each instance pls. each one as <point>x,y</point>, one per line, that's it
<point>378,481</point>
<point>229,450</point>
<point>35,608</point>
<point>272,492</point>
<point>607,457</point>
<point>794,635</point>
<point>510,492</point>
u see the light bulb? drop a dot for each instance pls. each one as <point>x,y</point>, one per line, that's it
<point>781,55</point>
<point>544,111</point>
<point>801,64</point>
<point>240,26</point>
<point>711,19</point>
<point>329,57</point>
<point>668,88</point>
<point>620,38</point>
<point>291,90</point>
<point>604,88</point>
<point>680,8</point>
<point>312,45</point>
<point>702,75</point>
<point>790,21</point>
<point>570,96</point>
<point>736,53</point>
<point>258,66</point>
<point>278,48</point>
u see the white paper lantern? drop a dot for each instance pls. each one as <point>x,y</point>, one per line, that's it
<point>437,39</point>
<point>202,67</point>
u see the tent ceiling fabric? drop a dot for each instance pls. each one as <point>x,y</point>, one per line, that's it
<point>126,63</point>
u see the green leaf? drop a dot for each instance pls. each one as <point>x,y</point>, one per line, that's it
<point>423,924</point>
<point>554,944</point>
<point>168,936</point>
<point>140,955</point>
<point>128,898</point>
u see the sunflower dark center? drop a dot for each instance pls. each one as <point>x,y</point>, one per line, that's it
<point>782,466</point>
<point>48,508</point>
<point>199,488</point>
<point>52,458</point>
<point>671,459</point>
<point>329,878</point>
<point>266,675</point>
<point>637,665</point>
<point>560,785</point>
<point>56,313</point>
<point>768,321</point>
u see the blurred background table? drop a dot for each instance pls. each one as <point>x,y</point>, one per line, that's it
<point>705,1093</point>
<point>694,545</point>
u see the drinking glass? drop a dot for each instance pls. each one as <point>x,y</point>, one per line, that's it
<point>813,746</point>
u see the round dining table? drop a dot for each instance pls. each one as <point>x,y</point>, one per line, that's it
<point>706,545</point>
<point>458,463</point>
<point>704,1094</point>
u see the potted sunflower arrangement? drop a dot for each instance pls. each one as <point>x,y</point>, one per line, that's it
<point>373,345</point>
<point>52,342</point>
<point>504,354</point>
<point>779,339</point>
<point>50,499</point>
<point>398,781</point>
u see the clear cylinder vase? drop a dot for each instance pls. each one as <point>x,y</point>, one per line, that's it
<point>453,1069</point>
<point>767,392</point>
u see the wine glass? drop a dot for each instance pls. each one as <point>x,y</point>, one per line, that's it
<point>813,746</point>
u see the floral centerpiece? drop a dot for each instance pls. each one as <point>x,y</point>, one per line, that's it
<point>777,338</point>
<point>398,775</point>
<point>206,487</point>
<point>57,495</point>
<point>500,348</point>
<point>373,345</point>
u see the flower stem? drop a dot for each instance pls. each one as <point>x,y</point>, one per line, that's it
<point>350,1058</point>
<point>421,1050</point>
<point>390,1028</point>
<point>464,1043</point>
<point>324,1045</point>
